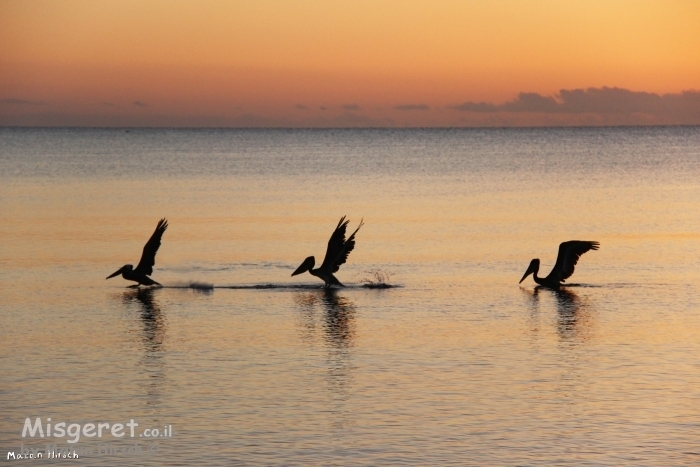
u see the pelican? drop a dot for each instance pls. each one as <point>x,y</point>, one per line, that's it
<point>148,259</point>
<point>336,254</point>
<point>569,253</point>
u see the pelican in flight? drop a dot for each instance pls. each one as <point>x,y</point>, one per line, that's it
<point>148,259</point>
<point>569,253</point>
<point>336,254</point>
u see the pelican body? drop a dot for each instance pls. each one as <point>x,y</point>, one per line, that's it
<point>336,254</point>
<point>569,253</point>
<point>148,260</point>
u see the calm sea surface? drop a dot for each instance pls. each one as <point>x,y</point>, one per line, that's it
<point>456,365</point>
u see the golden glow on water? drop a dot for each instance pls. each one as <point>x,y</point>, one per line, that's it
<point>457,363</point>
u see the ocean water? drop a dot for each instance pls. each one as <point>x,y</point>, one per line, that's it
<point>455,364</point>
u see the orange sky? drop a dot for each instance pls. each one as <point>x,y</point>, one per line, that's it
<point>335,63</point>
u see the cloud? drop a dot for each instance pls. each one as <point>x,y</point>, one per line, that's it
<point>16,101</point>
<point>605,101</point>
<point>604,106</point>
<point>412,107</point>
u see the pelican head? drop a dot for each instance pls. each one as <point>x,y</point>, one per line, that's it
<point>532,268</point>
<point>307,265</point>
<point>125,268</point>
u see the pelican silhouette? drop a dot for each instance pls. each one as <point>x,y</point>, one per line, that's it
<point>148,259</point>
<point>336,254</point>
<point>569,253</point>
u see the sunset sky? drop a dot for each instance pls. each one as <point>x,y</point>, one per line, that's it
<point>325,63</point>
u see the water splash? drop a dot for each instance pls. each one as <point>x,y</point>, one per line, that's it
<point>376,279</point>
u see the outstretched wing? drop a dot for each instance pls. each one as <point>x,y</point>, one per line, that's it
<point>335,245</point>
<point>148,257</point>
<point>339,248</point>
<point>347,248</point>
<point>569,253</point>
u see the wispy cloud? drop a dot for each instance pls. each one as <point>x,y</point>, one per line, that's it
<point>412,107</point>
<point>603,100</point>
<point>604,106</point>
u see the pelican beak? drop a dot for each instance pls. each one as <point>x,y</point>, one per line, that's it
<point>534,264</point>
<point>305,266</point>
<point>300,269</point>
<point>527,273</point>
<point>116,273</point>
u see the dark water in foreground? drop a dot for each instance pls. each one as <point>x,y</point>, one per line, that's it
<point>458,365</point>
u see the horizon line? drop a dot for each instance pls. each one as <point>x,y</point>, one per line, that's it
<point>513,127</point>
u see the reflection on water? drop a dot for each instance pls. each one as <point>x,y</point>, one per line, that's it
<point>151,318</point>
<point>306,304</point>
<point>153,329</point>
<point>569,381</point>
<point>569,314</point>
<point>339,330</point>
<point>574,320</point>
<point>338,317</point>
<point>533,302</point>
<point>338,333</point>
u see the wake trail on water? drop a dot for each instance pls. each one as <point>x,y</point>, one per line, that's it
<point>194,285</point>
<point>208,286</point>
<point>366,279</point>
<point>302,287</point>
<point>613,285</point>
